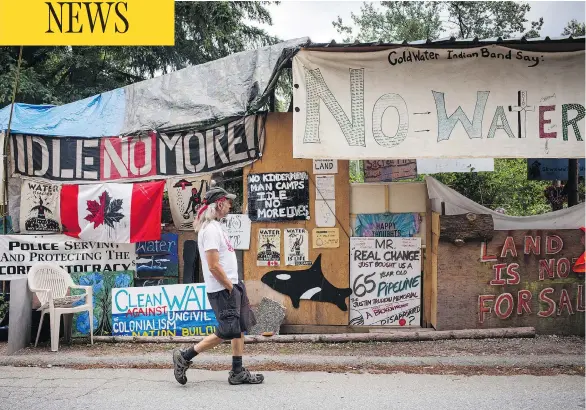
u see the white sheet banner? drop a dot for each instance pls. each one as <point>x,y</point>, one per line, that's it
<point>407,103</point>
<point>18,253</point>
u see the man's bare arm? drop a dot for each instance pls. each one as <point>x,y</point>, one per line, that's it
<point>213,259</point>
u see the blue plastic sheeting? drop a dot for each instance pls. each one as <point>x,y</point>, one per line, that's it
<point>101,115</point>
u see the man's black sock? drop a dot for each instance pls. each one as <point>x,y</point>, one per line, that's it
<point>189,353</point>
<point>236,364</point>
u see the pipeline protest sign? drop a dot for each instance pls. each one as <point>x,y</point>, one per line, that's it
<point>385,275</point>
<point>153,155</point>
<point>18,253</point>
<point>168,310</point>
<point>482,102</point>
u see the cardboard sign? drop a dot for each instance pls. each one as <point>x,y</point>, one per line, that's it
<point>385,276</point>
<point>326,238</point>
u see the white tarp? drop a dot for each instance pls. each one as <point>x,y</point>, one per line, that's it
<point>404,103</point>
<point>456,204</point>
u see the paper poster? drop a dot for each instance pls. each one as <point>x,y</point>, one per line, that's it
<point>389,170</point>
<point>387,225</point>
<point>281,196</point>
<point>237,227</point>
<point>325,166</point>
<point>324,214</point>
<point>325,187</point>
<point>385,276</point>
<point>185,198</point>
<point>268,247</point>
<point>326,238</point>
<point>296,247</point>
<point>39,207</point>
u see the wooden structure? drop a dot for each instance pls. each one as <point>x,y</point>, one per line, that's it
<point>278,157</point>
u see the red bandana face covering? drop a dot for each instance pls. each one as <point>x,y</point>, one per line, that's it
<point>205,206</point>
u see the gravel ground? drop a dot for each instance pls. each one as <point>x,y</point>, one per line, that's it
<point>539,346</point>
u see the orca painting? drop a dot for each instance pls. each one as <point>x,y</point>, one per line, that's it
<point>307,284</point>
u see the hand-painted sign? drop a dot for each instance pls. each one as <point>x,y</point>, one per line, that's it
<point>385,275</point>
<point>389,170</point>
<point>169,310</point>
<point>282,196</point>
<point>387,225</point>
<point>341,100</point>
<point>550,169</point>
<point>185,198</point>
<point>154,155</point>
<point>155,259</point>
<point>437,166</point>
<point>19,252</point>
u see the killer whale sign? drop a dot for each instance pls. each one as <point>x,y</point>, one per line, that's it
<point>307,284</point>
<point>410,103</point>
<point>385,275</point>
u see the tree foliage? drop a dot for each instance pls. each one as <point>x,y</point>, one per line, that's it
<point>574,28</point>
<point>204,31</point>
<point>413,20</point>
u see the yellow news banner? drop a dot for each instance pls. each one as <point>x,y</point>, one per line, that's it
<point>87,23</point>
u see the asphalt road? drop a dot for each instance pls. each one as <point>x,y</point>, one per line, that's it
<point>58,388</point>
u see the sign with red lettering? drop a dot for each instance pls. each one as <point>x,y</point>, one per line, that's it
<point>151,155</point>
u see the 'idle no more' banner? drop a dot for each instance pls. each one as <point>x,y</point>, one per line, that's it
<point>417,103</point>
<point>18,253</point>
<point>149,156</point>
<point>169,310</point>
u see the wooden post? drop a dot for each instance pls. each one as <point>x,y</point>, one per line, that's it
<point>572,184</point>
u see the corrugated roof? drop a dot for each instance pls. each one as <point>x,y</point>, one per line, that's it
<point>545,44</point>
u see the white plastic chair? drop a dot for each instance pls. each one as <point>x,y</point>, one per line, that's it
<point>50,283</point>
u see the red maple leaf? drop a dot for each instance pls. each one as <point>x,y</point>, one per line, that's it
<point>97,210</point>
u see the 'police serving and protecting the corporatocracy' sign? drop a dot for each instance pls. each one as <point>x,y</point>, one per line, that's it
<point>411,103</point>
<point>18,253</point>
<point>169,310</point>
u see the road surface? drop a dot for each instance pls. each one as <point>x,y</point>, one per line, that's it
<point>108,389</point>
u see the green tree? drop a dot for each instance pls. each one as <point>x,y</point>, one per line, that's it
<point>574,28</point>
<point>412,20</point>
<point>204,31</point>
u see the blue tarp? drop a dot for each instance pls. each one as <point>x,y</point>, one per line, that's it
<point>97,116</point>
<point>196,96</point>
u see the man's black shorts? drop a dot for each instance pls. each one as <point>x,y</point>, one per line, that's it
<point>233,312</point>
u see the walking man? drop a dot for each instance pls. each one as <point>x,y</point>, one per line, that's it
<point>227,295</point>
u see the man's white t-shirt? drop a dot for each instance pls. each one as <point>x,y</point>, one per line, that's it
<point>212,236</point>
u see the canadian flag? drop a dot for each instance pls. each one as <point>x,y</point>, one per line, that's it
<point>119,213</point>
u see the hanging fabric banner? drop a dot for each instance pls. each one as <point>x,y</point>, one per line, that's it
<point>404,103</point>
<point>148,156</point>
<point>120,213</point>
<point>39,207</point>
<point>185,199</point>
